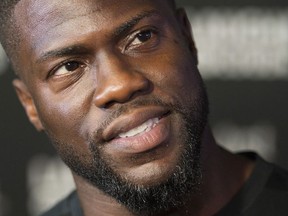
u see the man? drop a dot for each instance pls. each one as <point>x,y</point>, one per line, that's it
<point>115,86</point>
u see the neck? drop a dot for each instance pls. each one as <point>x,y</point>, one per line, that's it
<point>223,175</point>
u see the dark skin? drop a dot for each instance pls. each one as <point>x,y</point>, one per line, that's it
<point>80,62</point>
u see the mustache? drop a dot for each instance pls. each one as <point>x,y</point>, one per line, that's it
<point>122,109</point>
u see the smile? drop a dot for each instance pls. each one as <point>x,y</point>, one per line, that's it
<point>139,131</point>
<point>145,127</point>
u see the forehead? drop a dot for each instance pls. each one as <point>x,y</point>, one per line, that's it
<point>42,20</point>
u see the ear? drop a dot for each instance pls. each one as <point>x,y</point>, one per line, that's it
<point>28,103</point>
<point>187,32</point>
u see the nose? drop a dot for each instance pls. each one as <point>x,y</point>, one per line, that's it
<point>117,82</point>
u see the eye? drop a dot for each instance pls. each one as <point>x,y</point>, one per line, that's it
<point>142,38</point>
<point>68,67</point>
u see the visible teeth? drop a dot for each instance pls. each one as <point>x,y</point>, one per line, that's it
<point>145,127</point>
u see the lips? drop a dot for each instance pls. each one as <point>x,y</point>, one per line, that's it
<point>145,127</point>
<point>138,131</point>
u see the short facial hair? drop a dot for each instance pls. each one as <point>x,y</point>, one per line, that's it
<point>170,194</point>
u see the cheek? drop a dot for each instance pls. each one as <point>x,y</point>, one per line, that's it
<point>62,114</point>
<point>174,73</point>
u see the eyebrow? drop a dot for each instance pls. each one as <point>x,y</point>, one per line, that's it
<point>80,49</point>
<point>128,25</point>
<point>62,52</point>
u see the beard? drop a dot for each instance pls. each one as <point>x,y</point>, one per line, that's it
<point>170,194</point>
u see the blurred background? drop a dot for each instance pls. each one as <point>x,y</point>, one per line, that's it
<point>243,53</point>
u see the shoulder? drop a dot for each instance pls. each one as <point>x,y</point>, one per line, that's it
<point>277,185</point>
<point>272,198</point>
<point>274,178</point>
<point>278,179</point>
<point>69,206</point>
<point>265,193</point>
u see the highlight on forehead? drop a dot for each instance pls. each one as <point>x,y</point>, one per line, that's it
<point>6,11</point>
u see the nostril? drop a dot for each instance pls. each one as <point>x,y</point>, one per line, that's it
<point>108,105</point>
<point>120,89</point>
<point>146,88</point>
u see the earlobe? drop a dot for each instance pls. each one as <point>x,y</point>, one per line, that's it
<point>187,32</point>
<point>28,103</point>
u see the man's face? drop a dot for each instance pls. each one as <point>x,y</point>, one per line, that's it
<point>116,88</point>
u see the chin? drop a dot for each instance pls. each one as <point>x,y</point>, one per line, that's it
<point>151,174</point>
